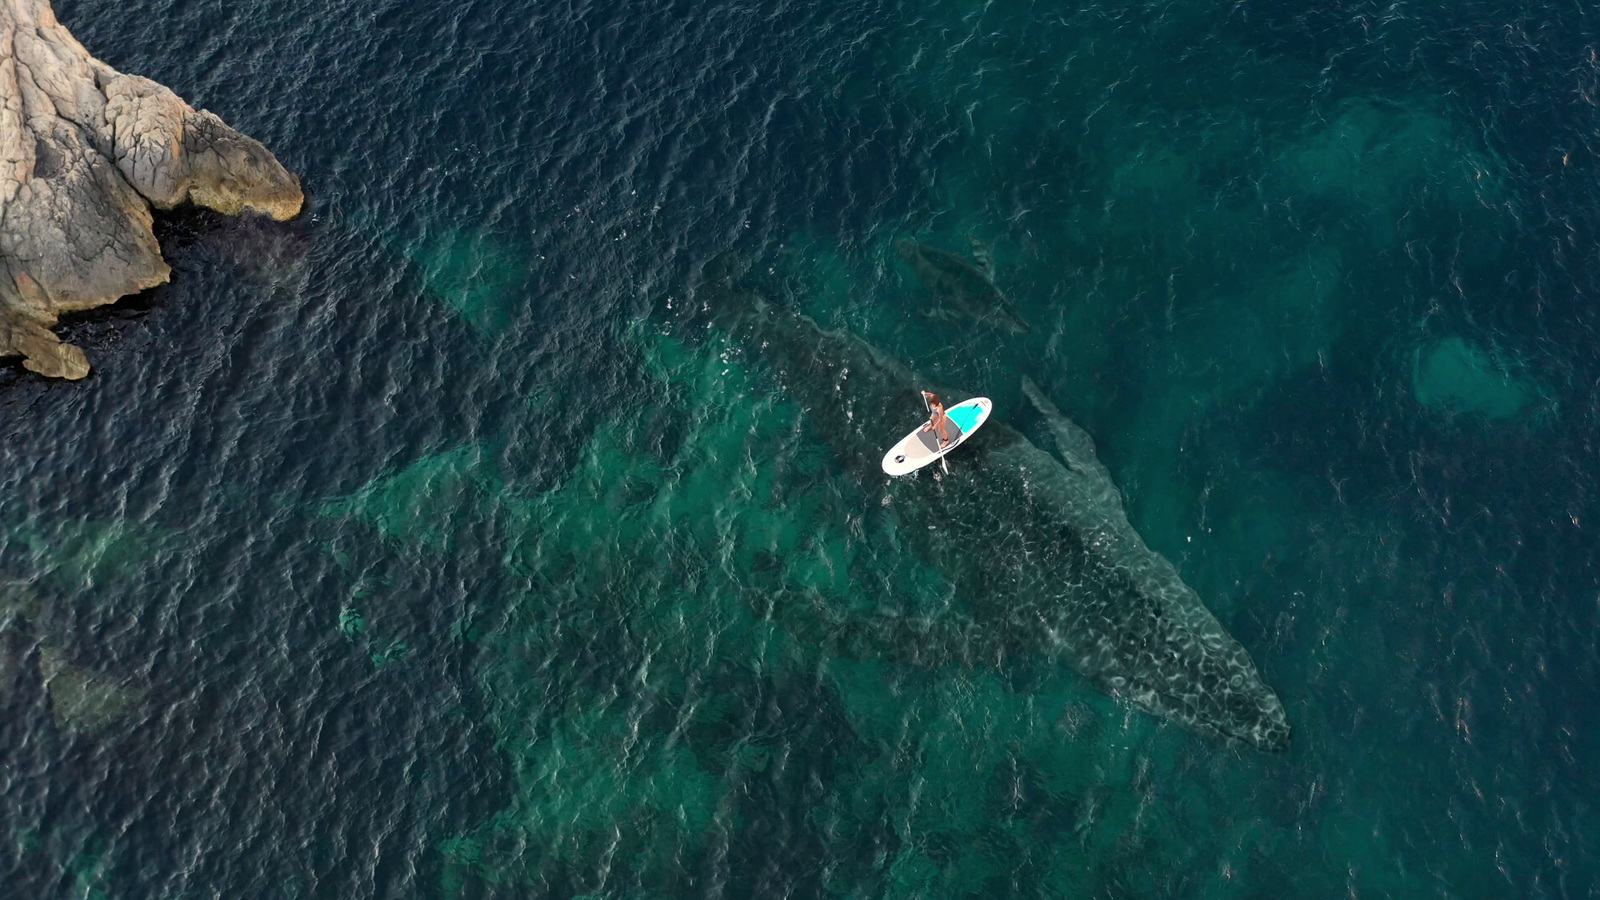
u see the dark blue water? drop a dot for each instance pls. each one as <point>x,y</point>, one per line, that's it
<point>423,546</point>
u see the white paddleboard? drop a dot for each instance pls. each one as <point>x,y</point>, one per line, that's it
<point>919,448</point>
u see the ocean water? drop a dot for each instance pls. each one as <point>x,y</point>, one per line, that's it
<point>433,544</point>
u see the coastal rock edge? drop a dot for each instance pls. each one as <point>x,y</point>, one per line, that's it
<point>85,152</point>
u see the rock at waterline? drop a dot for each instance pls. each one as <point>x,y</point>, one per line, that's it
<point>85,152</point>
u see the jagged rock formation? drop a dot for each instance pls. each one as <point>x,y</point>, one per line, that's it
<point>85,152</point>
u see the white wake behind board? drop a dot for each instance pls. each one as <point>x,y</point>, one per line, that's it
<point>919,448</point>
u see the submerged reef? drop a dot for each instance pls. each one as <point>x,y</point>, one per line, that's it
<point>82,701</point>
<point>792,633</point>
<point>474,273</point>
<point>87,151</point>
<point>1456,377</point>
<point>1376,161</point>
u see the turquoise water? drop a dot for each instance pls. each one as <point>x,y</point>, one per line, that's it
<point>441,543</point>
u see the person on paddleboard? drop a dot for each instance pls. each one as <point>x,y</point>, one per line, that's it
<point>938,423</point>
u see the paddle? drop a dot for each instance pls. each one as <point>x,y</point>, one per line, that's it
<point>929,407</point>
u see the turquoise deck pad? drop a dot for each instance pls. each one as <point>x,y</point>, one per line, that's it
<point>963,416</point>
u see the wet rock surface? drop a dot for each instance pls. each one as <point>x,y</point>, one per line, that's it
<point>85,153</point>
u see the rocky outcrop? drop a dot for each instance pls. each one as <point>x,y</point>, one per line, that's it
<point>85,152</point>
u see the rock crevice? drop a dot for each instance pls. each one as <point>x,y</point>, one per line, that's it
<point>85,152</point>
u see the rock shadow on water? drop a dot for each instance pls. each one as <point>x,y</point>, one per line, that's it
<point>274,253</point>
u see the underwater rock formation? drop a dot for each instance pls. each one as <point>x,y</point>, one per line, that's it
<point>474,273</point>
<point>81,701</point>
<point>1454,377</point>
<point>422,500</point>
<point>85,152</point>
<point>1379,160</point>
<point>14,603</point>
